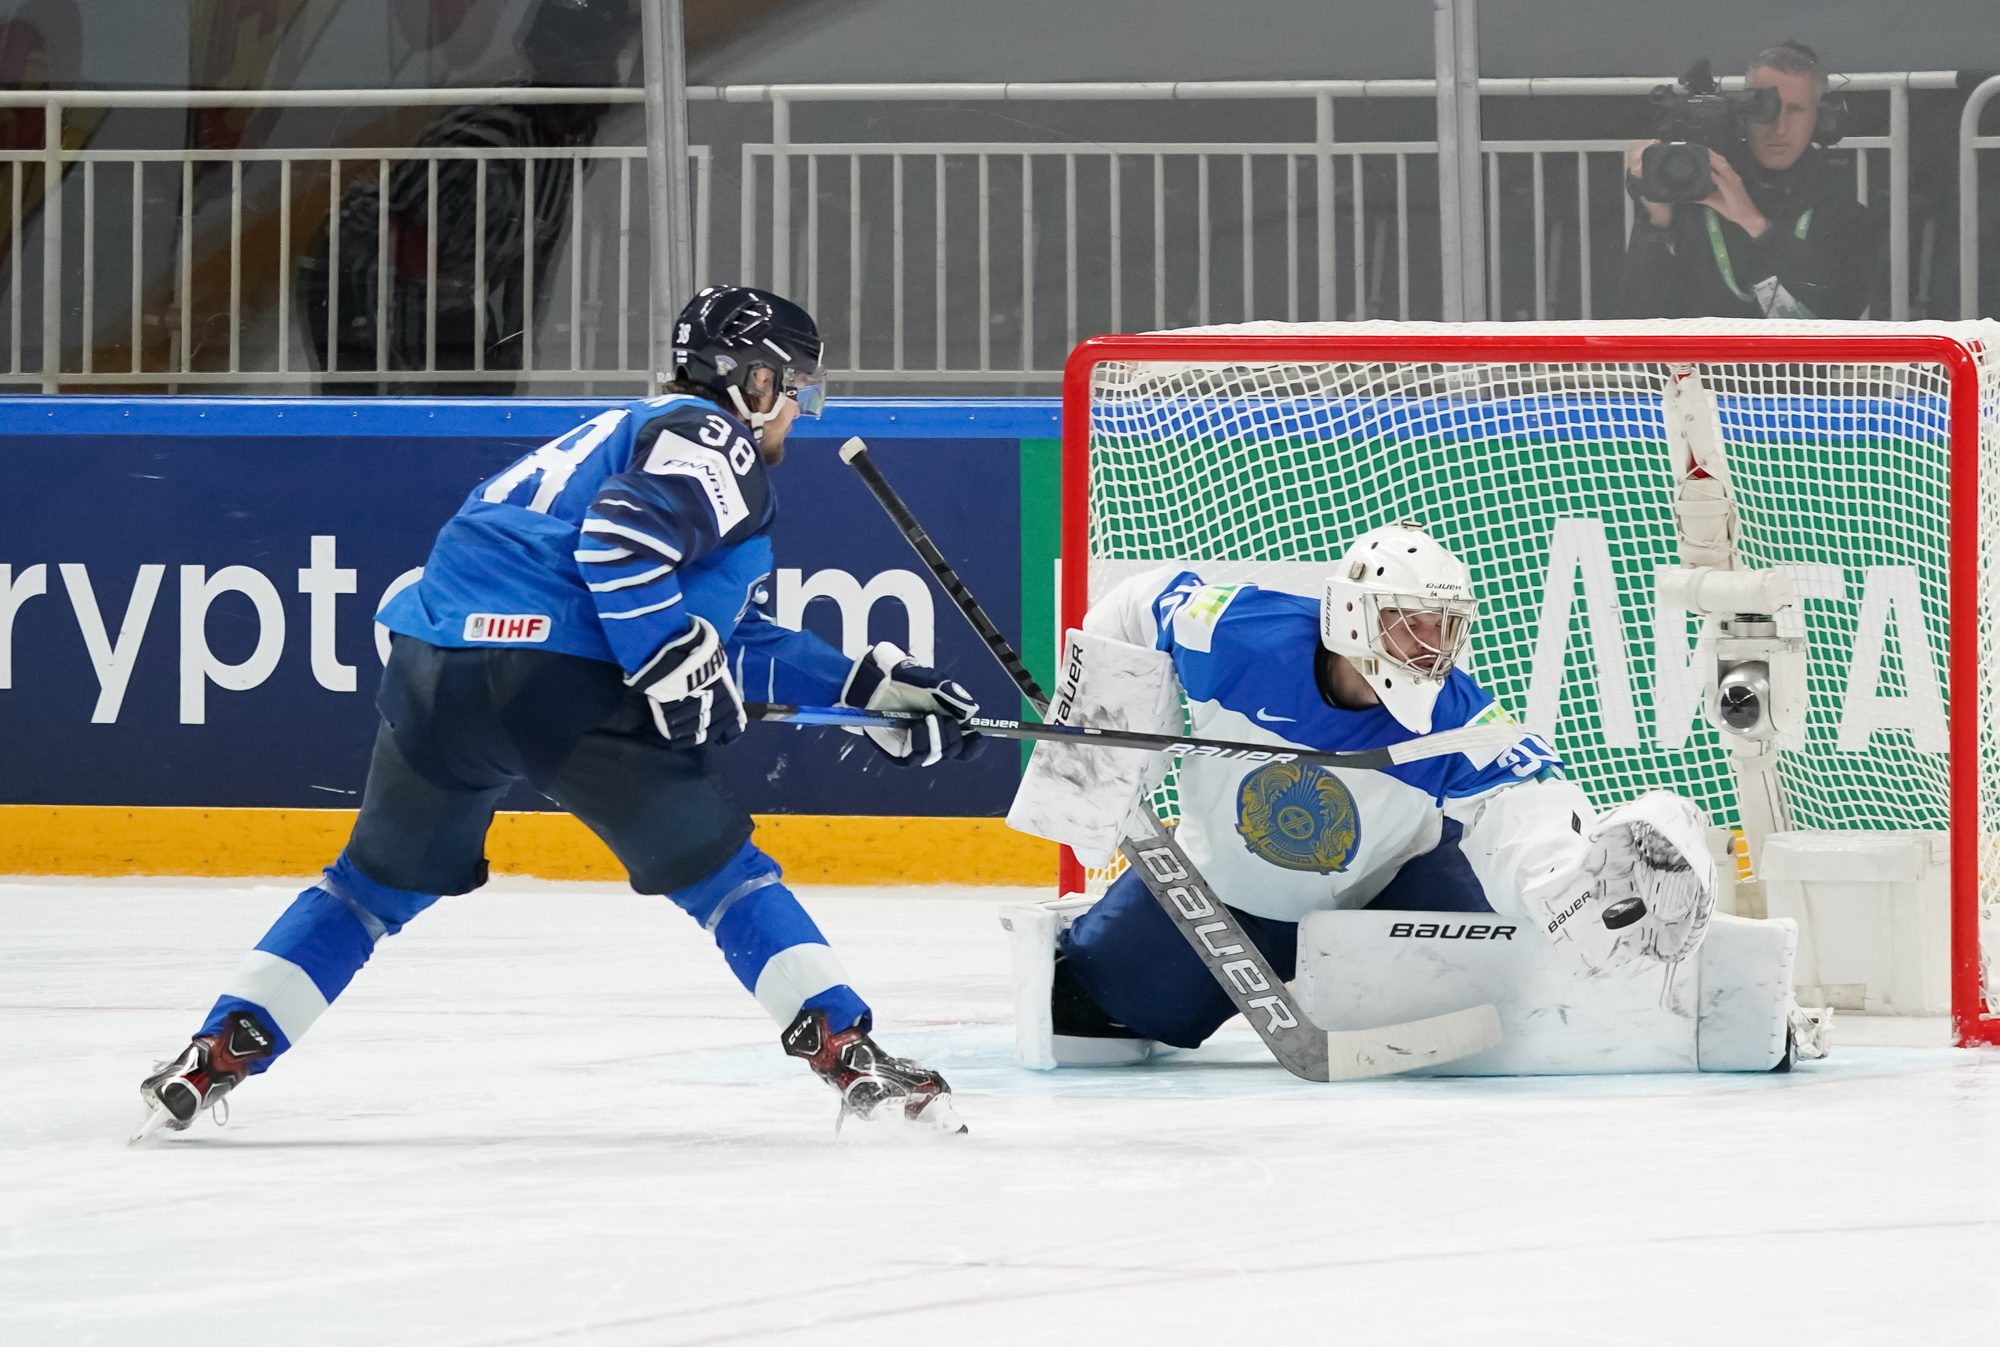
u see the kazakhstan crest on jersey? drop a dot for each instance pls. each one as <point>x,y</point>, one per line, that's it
<point>1299,817</point>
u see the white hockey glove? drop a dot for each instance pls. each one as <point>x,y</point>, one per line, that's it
<point>689,687</point>
<point>1636,883</point>
<point>886,679</point>
<point>1655,878</point>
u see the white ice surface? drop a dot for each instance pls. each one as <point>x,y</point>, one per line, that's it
<point>546,1114</point>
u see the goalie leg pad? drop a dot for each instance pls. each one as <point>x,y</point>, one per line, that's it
<point>1033,930</point>
<point>1031,940</point>
<point>1726,1008</point>
<point>1746,994</point>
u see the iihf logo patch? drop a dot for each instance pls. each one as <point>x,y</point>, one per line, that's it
<point>510,627</point>
<point>1299,817</point>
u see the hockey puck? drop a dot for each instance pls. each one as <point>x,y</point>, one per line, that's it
<point>1623,913</point>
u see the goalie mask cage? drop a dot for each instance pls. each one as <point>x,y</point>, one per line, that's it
<point>1860,454</point>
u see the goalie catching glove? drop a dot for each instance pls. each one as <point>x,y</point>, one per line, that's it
<point>886,679</point>
<point>1655,878</point>
<point>1639,884</point>
<point>689,688</point>
<point>1636,883</point>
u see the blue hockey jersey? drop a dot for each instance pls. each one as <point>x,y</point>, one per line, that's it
<point>605,540</point>
<point>1283,839</point>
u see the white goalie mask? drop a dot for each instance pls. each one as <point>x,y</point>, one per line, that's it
<point>1400,610</point>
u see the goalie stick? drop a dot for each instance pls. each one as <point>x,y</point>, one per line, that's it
<point>1469,739</point>
<point>1239,967</point>
<point>1309,1052</point>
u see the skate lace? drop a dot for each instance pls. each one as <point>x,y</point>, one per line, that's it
<point>219,1111</point>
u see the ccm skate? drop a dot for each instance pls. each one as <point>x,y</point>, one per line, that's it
<point>873,1085</point>
<point>203,1075</point>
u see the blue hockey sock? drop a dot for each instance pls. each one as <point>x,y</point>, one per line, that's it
<point>312,952</point>
<point>770,943</point>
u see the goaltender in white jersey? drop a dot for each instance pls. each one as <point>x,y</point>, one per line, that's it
<point>1592,898</point>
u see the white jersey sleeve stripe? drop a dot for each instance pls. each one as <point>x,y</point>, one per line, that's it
<point>629,581</point>
<point>605,528</point>
<point>639,612</point>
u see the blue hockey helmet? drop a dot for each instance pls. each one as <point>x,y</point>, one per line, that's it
<point>730,331</point>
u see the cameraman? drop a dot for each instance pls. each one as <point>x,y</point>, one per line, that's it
<point>1779,237</point>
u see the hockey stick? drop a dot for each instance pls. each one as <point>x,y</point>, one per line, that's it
<point>1304,1050</point>
<point>1467,739</point>
<point>1239,967</point>
<point>855,455</point>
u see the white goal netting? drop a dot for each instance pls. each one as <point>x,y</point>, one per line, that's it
<point>1554,481</point>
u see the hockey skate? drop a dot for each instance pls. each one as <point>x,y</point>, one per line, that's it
<point>201,1077</point>
<point>873,1086</point>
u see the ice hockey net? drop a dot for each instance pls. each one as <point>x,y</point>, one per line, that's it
<point>1861,453</point>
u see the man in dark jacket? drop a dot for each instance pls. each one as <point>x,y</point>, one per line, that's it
<point>1783,238</point>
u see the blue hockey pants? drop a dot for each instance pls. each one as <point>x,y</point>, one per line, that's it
<point>460,727</point>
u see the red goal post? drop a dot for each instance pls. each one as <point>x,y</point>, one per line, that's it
<point>1203,409</point>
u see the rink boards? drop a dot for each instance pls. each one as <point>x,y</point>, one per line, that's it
<point>188,655</point>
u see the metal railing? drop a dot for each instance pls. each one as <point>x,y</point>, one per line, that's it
<point>606,348</point>
<point>1970,143</point>
<point>928,262</point>
<point>1351,201</point>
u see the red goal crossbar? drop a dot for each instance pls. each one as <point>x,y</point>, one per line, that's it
<point>1970,1023</point>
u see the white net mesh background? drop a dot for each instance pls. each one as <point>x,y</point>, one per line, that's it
<point>1555,484</point>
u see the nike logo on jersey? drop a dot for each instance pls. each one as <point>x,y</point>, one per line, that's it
<point>1271,719</point>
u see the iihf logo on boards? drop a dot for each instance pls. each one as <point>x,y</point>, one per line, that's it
<point>1299,817</point>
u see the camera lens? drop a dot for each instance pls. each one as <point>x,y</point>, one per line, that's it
<point>1740,707</point>
<point>1680,169</point>
<point>1676,171</point>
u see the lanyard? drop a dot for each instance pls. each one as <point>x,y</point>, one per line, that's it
<point>1721,249</point>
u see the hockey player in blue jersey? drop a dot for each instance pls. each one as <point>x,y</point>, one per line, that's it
<point>1373,663</point>
<point>584,623</point>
